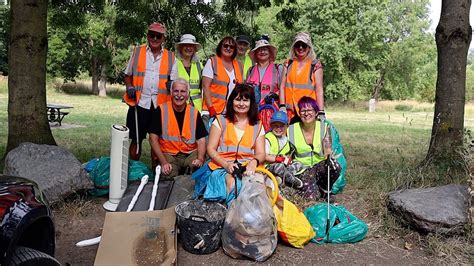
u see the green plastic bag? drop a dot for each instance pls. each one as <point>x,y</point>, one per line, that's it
<point>101,172</point>
<point>338,153</point>
<point>344,226</point>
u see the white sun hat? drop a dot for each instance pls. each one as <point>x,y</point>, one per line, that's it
<point>263,43</point>
<point>188,39</point>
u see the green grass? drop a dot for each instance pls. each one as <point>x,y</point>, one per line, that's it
<point>384,149</point>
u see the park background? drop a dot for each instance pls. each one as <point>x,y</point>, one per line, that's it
<point>382,49</point>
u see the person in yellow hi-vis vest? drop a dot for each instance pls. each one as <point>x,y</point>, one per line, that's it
<point>188,67</point>
<point>243,45</point>
<point>313,144</point>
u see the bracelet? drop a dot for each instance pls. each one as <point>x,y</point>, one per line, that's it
<point>258,162</point>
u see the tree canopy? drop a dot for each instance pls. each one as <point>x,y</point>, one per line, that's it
<point>367,49</point>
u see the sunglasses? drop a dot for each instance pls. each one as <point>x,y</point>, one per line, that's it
<point>228,46</point>
<point>155,35</point>
<point>301,45</point>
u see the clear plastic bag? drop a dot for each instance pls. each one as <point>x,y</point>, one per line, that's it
<point>250,228</point>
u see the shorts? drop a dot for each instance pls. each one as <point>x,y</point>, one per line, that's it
<point>144,119</point>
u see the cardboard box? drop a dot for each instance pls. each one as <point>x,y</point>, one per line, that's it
<point>138,238</point>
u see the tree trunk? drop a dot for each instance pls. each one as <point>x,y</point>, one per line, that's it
<point>453,36</point>
<point>103,80</point>
<point>95,76</point>
<point>27,119</point>
<point>378,85</point>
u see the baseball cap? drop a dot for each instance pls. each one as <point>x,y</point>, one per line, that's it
<point>243,38</point>
<point>279,117</point>
<point>157,27</point>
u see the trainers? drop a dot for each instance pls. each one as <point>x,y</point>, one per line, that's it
<point>293,181</point>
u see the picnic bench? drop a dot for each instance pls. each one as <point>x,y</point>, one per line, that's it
<point>55,112</point>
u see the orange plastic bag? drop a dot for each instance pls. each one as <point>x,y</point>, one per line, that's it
<point>292,225</point>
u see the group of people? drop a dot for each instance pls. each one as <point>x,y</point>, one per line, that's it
<point>194,113</point>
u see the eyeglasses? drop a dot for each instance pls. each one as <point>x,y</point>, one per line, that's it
<point>155,36</point>
<point>301,45</point>
<point>228,46</point>
<point>307,111</point>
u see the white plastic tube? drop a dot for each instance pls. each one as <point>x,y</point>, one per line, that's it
<point>95,241</point>
<point>137,193</point>
<point>155,188</point>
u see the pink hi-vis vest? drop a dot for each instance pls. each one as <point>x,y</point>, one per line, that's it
<point>269,82</point>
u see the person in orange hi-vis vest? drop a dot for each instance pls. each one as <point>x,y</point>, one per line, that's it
<point>302,76</point>
<point>147,83</point>
<point>236,145</point>
<point>219,77</point>
<point>177,133</point>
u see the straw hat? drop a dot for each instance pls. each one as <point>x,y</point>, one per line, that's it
<point>263,43</point>
<point>188,39</point>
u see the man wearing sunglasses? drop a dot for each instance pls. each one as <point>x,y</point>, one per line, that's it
<point>146,80</point>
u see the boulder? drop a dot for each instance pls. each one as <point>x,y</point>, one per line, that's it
<point>57,172</point>
<point>438,209</point>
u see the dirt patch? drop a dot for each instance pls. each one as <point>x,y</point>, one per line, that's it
<point>72,227</point>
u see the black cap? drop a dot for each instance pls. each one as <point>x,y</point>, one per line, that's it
<point>243,38</point>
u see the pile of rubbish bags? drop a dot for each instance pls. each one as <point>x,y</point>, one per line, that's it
<point>253,223</point>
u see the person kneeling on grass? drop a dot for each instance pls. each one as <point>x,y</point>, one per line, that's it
<point>177,133</point>
<point>279,150</point>
<point>308,137</point>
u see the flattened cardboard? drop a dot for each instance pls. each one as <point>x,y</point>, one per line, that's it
<point>138,238</point>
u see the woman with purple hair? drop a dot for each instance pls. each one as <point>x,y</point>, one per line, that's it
<point>312,140</point>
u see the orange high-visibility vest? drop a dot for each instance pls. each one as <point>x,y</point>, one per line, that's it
<point>219,86</point>
<point>138,74</point>
<point>171,140</point>
<point>298,85</point>
<point>229,146</point>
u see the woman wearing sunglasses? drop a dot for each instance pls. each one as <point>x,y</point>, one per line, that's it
<point>219,77</point>
<point>302,76</point>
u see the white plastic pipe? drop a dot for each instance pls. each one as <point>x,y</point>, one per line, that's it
<point>137,193</point>
<point>155,188</point>
<point>95,241</point>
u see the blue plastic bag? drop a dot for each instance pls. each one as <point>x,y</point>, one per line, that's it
<point>338,154</point>
<point>216,187</point>
<point>344,226</point>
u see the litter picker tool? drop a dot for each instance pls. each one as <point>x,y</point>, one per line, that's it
<point>95,241</point>
<point>136,130</point>
<point>328,221</point>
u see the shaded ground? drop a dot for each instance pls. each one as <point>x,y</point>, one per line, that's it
<point>88,219</point>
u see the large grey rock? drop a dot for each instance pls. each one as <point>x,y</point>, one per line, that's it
<point>438,209</point>
<point>57,172</point>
